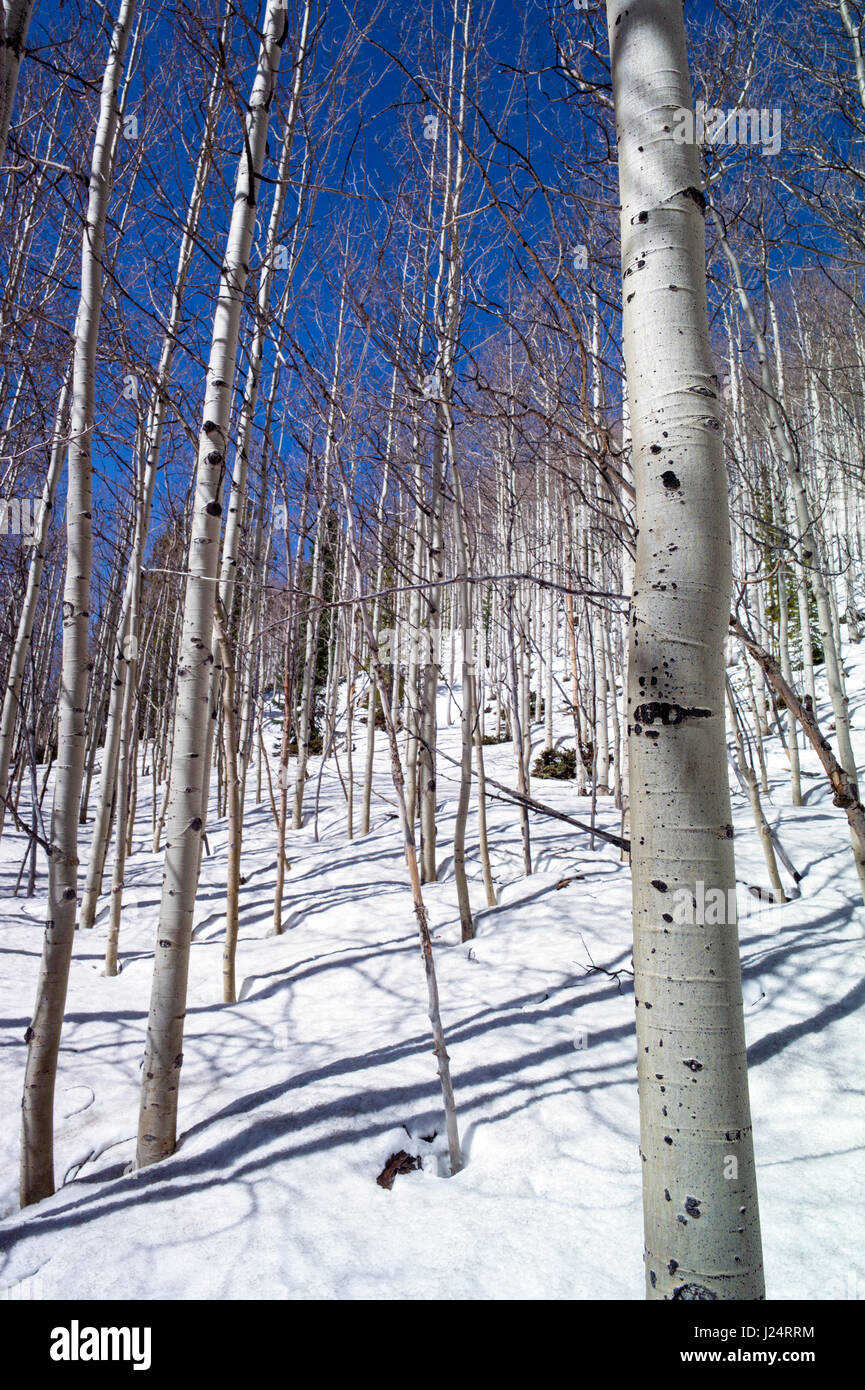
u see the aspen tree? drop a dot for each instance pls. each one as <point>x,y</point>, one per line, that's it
<point>787,672</point>
<point>417,571</point>
<point>857,43</point>
<point>808,548</point>
<point>126,637</point>
<point>288,654</point>
<point>236,505</point>
<point>15,17</point>
<point>429,677</point>
<point>313,614</point>
<point>748,776</point>
<point>163,1057</point>
<point>126,767</point>
<point>845,793</point>
<point>24,635</point>
<point>267,276</point>
<point>702,1228</point>
<point>434,1012</point>
<point>379,580</point>
<point>43,1035</point>
<point>235,810</point>
<point>447,320</point>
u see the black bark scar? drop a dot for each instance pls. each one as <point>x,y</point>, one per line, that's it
<point>667,714</point>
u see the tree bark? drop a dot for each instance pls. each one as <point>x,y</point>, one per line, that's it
<point>24,636</point>
<point>16,22</point>
<point>43,1035</point>
<point>163,1058</point>
<point>702,1231</point>
<point>126,637</point>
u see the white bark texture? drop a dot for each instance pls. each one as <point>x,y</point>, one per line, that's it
<point>163,1053</point>
<point>699,1188</point>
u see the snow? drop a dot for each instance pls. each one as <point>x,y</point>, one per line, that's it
<point>293,1099</point>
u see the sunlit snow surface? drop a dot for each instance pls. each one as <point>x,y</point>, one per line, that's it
<point>293,1099</point>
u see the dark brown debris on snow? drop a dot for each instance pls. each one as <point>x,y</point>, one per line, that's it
<point>398,1163</point>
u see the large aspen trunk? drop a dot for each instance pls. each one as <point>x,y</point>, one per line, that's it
<point>43,1035</point>
<point>702,1230</point>
<point>163,1058</point>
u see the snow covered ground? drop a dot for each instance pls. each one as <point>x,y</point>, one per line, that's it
<point>293,1098</point>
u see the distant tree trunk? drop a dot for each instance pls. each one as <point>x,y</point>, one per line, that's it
<point>157,1129</point>
<point>235,811</point>
<point>469,714</point>
<point>845,793</point>
<point>376,610</point>
<point>288,649</point>
<point>429,676</point>
<point>126,769</point>
<point>808,548</point>
<point>24,636</point>
<point>787,671</point>
<point>313,614</point>
<point>43,1035</point>
<point>749,778</point>
<point>434,1012</point>
<point>702,1231</point>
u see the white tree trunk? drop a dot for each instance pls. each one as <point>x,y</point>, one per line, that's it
<point>702,1230</point>
<point>43,1035</point>
<point>24,635</point>
<point>163,1053</point>
<point>126,638</point>
<point>16,21</point>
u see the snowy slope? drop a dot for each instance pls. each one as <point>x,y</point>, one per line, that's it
<point>293,1099</point>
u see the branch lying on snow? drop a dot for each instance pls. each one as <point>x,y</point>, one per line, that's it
<point>602,970</point>
<point>543,810</point>
<point>842,787</point>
